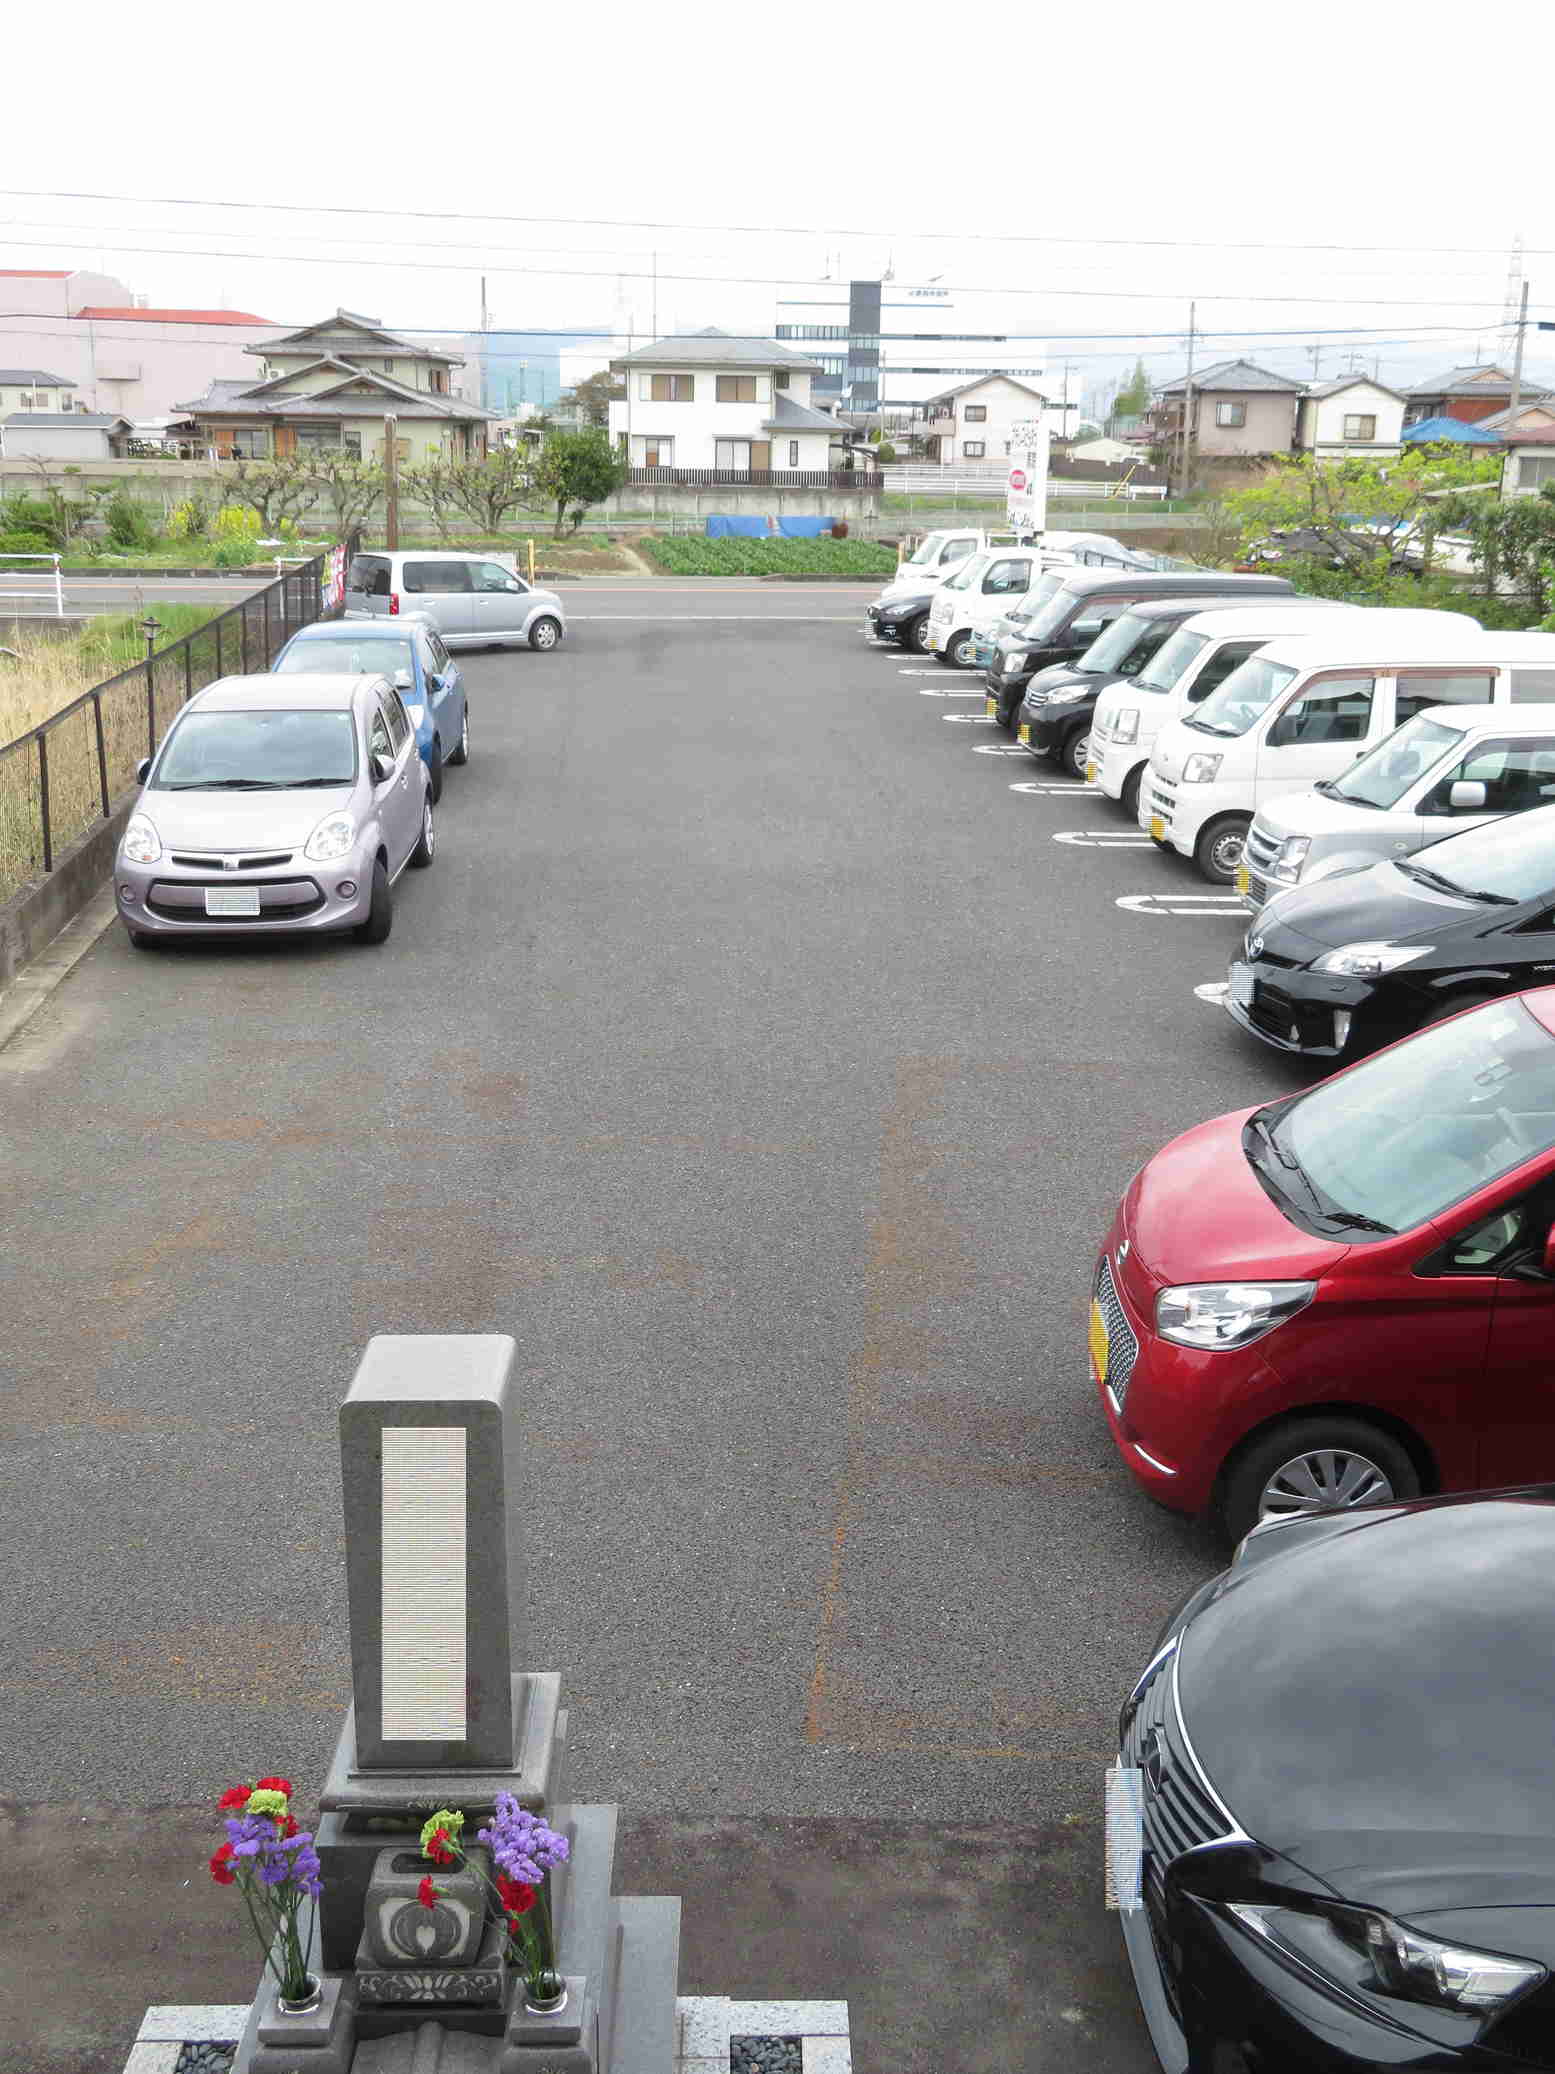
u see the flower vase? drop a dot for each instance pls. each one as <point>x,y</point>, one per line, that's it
<point>305,2001</point>
<point>546,1995</point>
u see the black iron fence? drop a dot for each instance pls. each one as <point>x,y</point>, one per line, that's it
<point>755,478</point>
<point>63,777</point>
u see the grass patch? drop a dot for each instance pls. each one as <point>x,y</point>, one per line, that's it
<point>682,554</point>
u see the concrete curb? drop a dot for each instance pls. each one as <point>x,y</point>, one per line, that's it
<point>30,988</point>
<point>33,917</point>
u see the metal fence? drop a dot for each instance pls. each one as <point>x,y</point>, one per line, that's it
<point>754,479</point>
<point>63,777</point>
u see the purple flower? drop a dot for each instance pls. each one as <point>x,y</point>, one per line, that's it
<point>523,1846</point>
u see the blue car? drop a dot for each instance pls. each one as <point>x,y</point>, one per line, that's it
<point>410,653</point>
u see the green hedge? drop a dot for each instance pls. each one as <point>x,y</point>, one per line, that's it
<point>683,554</point>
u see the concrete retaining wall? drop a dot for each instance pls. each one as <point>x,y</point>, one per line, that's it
<point>32,918</point>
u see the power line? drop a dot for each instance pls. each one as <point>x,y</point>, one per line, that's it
<point>784,230</point>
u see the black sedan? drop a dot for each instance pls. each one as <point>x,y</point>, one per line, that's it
<point>1332,1827</point>
<point>903,618</point>
<point>1338,967</point>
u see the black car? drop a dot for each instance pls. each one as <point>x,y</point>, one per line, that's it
<point>1054,719</point>
<point>903,619</point>
<point>1060,625</point>
<point>1332,1827</point>
<point>1353,961</point>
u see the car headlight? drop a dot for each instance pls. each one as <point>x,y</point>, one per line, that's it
<point>1011,664</point>
<point>1125,724</point>
<point>332,838</point>
<point>141,844</point>
<point>1227,1314</point>
<point>1292,855</point>
<point>1394,1959</point>
<point>1066,697</point>
<point>1200,769</point>
<point>1370,960</point>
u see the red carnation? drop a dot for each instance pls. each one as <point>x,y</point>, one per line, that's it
<point>517,1898</point>
<point>289,1826</point>
<point>437,1849</point>
<point>235,1797</point>
<point>221,1866</point>
<point>426,1894</point>
<point>277,1786</point>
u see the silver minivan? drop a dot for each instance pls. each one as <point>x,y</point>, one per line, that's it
<point>472,600</point>
<point>1447,769</point>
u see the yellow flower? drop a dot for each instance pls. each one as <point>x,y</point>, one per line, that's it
<point>264,1800</point>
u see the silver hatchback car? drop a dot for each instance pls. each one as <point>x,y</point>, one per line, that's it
<point>276,803</point>
<point>473,601</point>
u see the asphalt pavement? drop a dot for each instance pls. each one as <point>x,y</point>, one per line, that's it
<point>766,1051</point>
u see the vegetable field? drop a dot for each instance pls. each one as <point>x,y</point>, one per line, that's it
<point>686,555</point>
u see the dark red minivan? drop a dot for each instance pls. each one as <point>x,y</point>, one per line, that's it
<point>1348,1295</point>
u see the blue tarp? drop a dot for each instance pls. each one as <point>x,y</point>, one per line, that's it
<point>803,528</point>
<point>1429,430</point>
<point>736,529</point>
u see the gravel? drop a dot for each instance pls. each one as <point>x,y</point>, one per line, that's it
<point>204,2059</point>
<point>765,2056</point>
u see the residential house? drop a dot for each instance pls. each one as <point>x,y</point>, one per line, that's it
<point>1534,413</point>
<point>1352,414</point>
<point>117,353</point>
<point>1238,408</point>
<point>334,385</point>
<point>29,388</point>
<point>1470,394</point>
<point>64,436</point>
<point>1530,461</point>
<point>737,410</point>
<point>976,420</point>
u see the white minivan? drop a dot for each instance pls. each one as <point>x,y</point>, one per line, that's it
<point>979,592</point>
<point>1303,709</point>
<point>1447,769</point>
<point>1185,669</point>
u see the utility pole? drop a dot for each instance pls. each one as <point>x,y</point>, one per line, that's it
<point>391,480</point>
<point>1517,363</point>
<point>485,369</point>
<point>1314,354</point>
<point>1186,473</point>
<point>655,294</point>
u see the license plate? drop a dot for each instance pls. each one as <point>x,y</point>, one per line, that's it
<point>1158,828</point>
<point>1241,879</point>
<point>1242,985</point>
<point>1025,732</point>
<point>1090,774</point>
<point>991,708</point>
<point>232,900</point>
<point>1096,1339</point>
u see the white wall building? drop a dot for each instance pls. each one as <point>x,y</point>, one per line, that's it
<point>975,422</point>
<point>886,341</point>
<point>1353,414</point>
<point>712,401</point>
<point>32,389</point>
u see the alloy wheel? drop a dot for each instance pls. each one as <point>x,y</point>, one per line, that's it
<point>1324,1480</point>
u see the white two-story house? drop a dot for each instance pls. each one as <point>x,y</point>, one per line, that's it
<point>710,404</point>
<point>977,421</point>
<point>1352,414</point>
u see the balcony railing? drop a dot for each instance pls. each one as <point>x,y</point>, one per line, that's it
<point>755,479</point>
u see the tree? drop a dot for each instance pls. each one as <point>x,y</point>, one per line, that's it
<point>1362,518</point>
<point>353,486</point>
<point>577,469</point>
<point>595,394</point>
<point>1511,543</point>
<point>429,486</point>
<point>273,490</point>
<point>1133,399</point>
<point>486,491</point>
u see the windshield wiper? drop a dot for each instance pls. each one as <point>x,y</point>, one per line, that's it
<point>1354,1220</point>
<point>1497,899</point>
<point>1206,727</point>
<point>224,785</point>
<point>302,784</point>
<point>1427,877</point>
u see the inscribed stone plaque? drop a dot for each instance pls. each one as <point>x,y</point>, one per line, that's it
<point>423,1584</point>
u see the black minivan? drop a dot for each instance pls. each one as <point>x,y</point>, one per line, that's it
<point>1066,624</point>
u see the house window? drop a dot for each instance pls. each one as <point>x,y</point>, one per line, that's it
<point>351,441</point>
<point>1360,428</point>
<point>793,453</point>
<point>649,451</point>
<point>1534,469</point>
<point>735,388</point>
<point>388,367</point>
<point>1231,414</point>
<point>732,454</point>
<point>439,381</point>
<point>669,388</point>
<point>976,413</point>
<point>250,442</point>
<point>972,450</point>
<point>779,379</point>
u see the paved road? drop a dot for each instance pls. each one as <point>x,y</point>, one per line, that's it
<point>31,597</point>
<point>756,1055</point>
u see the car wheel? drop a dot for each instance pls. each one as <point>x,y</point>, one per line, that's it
<point>1318,1464</point>
<point>380,916</point>
<point>544,634</point>
<point>1218,850</point>
<point>426,849</point>
<point>1128,798</point>
<point>1471,997</point>
<point>435,770</point>
<point>462,753</point>
<point>958,650</point>
<point>915,635</point>
<point>1073,752</point>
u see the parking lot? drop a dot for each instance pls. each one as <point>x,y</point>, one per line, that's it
<point>766,1051</point>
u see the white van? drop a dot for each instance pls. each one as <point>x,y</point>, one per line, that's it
<point>1185,669</point>
<point>1303,709</point>
<point>977,594</point>
<point>1447,769</point>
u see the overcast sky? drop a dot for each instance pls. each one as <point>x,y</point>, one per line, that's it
<point>1136,159</point>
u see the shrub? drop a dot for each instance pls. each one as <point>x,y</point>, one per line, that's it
<point>885,453</point>
<point>127,523</point>
<point>24,544</point>
<point>236,527</point>
<point>235,554</point>
<point>190,519</point>
<point>33,515</point>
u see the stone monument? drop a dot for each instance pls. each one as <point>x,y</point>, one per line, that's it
<point>447,1713</point>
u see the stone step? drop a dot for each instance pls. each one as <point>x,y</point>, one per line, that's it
<point>637,2026</point>
<point>580,1901</point>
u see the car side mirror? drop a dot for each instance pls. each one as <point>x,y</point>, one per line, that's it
<point>143,770</point>
<point>402,680</point>
<point>1467,795</point>
<point>382,769</point>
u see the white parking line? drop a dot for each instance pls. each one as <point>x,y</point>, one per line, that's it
<point>1040,789</point>
<point>995,749</point>
<point>980,693</point>
<point>1214,992</point>
<point>1104,839</point>
<point>933,691</point>
<point>972,719</point>
<point>1179,903</point>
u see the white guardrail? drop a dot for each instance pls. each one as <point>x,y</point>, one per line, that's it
<point>57,593</point>
<point>901,484</point>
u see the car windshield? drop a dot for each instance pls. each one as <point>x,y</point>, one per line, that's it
<point>370,655</point>
<point>971,571</point>
<point>256,752</point>
<point>1114,648</point>
<point>1170,662</point>
<point>1382,778</point>
<point>1050,615</point>
<point>926,551</point>
<point>1511,860</point>
<point>1046,586</point>
<point>1404,1136</point>
<point>1244,698</point>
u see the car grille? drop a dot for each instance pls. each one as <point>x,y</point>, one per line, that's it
<point>1180,1808</point>
<point>1162,798</point>
<point>280,900</point>
<point>1122,1346</point>
<point>1259,855</point>
<point>207,861</point>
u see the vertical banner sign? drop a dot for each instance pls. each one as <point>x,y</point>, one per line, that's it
<point>1025,497</point>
